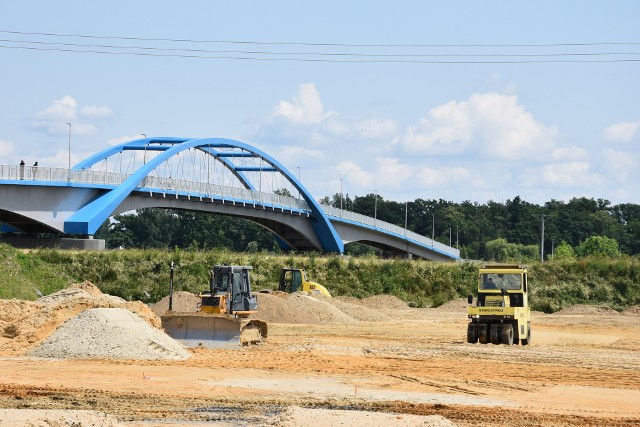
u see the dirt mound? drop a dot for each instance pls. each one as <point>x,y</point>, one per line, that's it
<point>90,335</point>
<point>55,418</point>
<point>183,302</point>
<point>358,311</point>
<point>318,308</point>
<point>24,324</point>
<point>634,310</point>
<point>275,308</point>
<point>587,309</point>
<point>382,302</point>
<point>458,305</point>
<point>297,416</point>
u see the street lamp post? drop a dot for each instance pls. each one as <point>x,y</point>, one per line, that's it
<point>340,193</point>
<point>144,159</point>
<point>69,170</point>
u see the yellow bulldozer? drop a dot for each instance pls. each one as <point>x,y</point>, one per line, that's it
<point>295,280</point>
<point>501,314</point>
<point>224,317</point>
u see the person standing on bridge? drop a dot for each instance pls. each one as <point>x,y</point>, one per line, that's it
<point>34,170</point>
<point>21,169</point>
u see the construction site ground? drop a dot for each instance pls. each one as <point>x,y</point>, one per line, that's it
<point>407,367</point>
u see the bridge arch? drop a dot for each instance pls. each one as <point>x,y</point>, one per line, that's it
<point>88,218</point>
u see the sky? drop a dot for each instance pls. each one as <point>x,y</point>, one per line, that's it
<point>456,100</point>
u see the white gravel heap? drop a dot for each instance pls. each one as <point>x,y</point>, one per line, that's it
<point>110,333</point>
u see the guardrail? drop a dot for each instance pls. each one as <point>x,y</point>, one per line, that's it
<point>204,189</point>
<point>376,223</point>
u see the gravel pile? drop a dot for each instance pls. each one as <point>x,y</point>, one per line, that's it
<point>24,324</point>
<point>109,333</point>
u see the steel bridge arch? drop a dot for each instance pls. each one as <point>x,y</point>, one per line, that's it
<point>88,219</point>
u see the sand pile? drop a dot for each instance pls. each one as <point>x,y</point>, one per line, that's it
<point>55,418</point>
<point>318,308</point>
<point>382,302</point>
<point>295,416</point>
<point>353,308</point>
<point>634,310</point>
<point>24,324</point>
<point>458,305</point>
<point>109,333</point>
<point>587,309</point>
<point>275,308</point>
<point>183,302</point>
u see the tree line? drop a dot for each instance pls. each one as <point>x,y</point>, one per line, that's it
<point>475,228</point>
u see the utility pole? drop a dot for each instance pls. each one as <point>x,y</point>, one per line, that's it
<point>406,217</point>
<point>433,227</point>
<point>542,239</point>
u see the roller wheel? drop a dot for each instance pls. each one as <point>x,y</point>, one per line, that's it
<point>527,340</point>
<point>472,333</point>
<point>507,334</point>
<point>483,333</point>
<point>495,334</point>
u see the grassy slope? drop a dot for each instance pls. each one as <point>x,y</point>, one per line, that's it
<point>144,275</point>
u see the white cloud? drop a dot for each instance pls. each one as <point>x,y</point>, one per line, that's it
<point>443,176</point>
<point>53,119</point>
<point>292,154</point>
<point>63,109</point>
<point>622,132</point>
<point>304,108</point>
<point>355,175</point>
<point>496,124</point>
<point>568,153</point>
<point>621,164</point>
<point>6,147</point>
<point>376,129</point>
<point>391,173</point>
<point>95,112</point>
<point>570,174</point>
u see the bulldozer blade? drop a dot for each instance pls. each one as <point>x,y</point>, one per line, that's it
<point>203,331</point>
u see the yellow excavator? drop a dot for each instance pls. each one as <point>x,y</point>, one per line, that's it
<point>224,317</point>
<point>295,280</point>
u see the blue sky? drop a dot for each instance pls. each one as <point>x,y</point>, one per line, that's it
<point>458,132</point>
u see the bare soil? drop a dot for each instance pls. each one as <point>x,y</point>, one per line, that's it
<point>582,369</point>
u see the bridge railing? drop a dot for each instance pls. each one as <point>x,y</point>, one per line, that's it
<point>376,223</point>
<point>203,189</point>
<point>153,183</point>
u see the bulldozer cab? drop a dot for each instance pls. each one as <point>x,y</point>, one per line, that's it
<point>234,282</point>
<point>290,280</point>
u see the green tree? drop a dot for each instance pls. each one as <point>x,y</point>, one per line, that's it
<point>598,245</point>
<point>564,251</point>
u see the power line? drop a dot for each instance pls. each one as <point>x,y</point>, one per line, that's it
<point>337,54</point>
<point>610,43</point>
<point>387,61</point>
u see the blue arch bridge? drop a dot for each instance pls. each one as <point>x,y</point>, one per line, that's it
<point>215,175</point>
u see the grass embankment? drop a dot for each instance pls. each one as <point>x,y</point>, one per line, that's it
<point>144,275</point>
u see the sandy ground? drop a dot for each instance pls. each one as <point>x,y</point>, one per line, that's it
<point>413,368</point>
